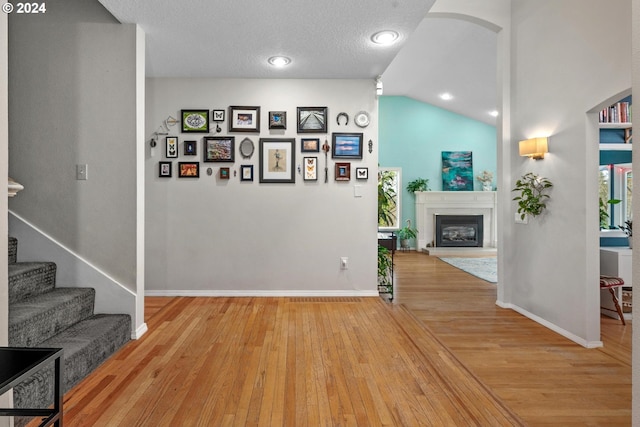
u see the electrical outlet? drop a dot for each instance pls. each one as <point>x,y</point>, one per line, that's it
<point>82,172</point>
<point>344,263</point>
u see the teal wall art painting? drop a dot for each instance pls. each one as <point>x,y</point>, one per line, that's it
<point>457,171</point>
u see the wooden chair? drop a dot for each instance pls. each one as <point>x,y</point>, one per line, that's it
<point>611,282</point>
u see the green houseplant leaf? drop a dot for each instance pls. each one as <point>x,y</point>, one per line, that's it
<point>532,198</point>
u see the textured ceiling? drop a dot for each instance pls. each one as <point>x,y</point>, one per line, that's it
<point>324,39</point>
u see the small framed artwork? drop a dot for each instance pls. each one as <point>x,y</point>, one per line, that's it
<point>171,147</point>
<point>277,160</point>
<point>362,173</point>
<point>164,169</point>
<point>188,169</point>
<point>346,146</point>
<point>312,119</point>
<point>224,173</point>
<point>310,145</point>
<point>310,168</point>
<point>190,148</point>
<point>277,119</point>
<point>196,121</point>
<point>218,115</point>
<point>219,148</point>
<point>343,171</point>
<point>244,119</point>
<point>246,173</point>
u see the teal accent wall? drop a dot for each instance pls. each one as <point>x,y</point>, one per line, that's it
<point>413,135</point>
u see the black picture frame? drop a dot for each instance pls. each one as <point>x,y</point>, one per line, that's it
<point>195,121</point>
<point>346,145</point>
<point>362,173</point>
<point>217,116</point>
<point>277,160</point>
<point>164,169</point>
<point>219,149</point>
<point>244,119</point>
<point>190,148</point>
<point>171,147</point>
<point>310,168</point>
<point>310,145</point>
<point>312,119</point>
<point>189,169</point>
<point>246,173</point>
<point>277,119</point>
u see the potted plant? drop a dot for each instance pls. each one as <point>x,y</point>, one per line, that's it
<point>604,211</point>
<point>419,184</point>
<point>485,179</point>
<point>405,234</point>
<point>531,200</point>
<point>628,230</point>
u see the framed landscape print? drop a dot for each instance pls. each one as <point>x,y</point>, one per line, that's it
<point>346,146</point>
<point>244,119</point>
<point>277,119</point>
<point>246,173</point>
<point>277,160</point>
<point>310,168</point>
<point>310,145</point>
<point>171,147</point>
<point>219,149</point>
<point>188,169</point>
<point>312,119</point>
<point>343,171</point>
<point>457,171</point>
<point>362,173</point>
<point>164,169</point>
<point>196,121</point>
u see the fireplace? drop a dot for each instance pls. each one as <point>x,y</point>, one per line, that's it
<point>459,231</point>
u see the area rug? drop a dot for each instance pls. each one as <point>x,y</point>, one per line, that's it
<point>484,268</point>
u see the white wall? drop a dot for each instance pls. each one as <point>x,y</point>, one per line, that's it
<point>214,237</point>
<point>564,64</point>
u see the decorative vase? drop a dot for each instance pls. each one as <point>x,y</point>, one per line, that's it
<point>486,186</point>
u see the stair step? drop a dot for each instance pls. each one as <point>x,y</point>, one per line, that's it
<point>27,279</point>
<point>13,250</point>
<point>36,319</point>
<point>86,345</point>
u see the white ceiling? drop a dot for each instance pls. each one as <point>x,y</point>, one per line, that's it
<point>324,39</point>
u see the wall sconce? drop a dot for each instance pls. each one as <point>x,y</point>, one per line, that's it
<point>534,148</point>
<point>379,86</point>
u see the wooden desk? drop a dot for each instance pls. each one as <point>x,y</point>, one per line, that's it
<point>18,364</point>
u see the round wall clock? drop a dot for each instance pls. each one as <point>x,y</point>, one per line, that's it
<point>246,148</point>
<point>361,119</point>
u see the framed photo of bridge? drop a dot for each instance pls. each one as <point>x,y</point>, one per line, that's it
<point>312,119</point>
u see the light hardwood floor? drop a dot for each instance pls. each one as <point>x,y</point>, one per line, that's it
<point>545,378</point>
<point>358,361</point>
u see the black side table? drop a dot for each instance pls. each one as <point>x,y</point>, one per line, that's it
<point>18,364</point>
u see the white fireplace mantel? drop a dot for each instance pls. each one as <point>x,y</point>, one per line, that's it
<point>432,203</point>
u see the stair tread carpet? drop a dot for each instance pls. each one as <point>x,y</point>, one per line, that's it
<point>39,318</point>
<point>13,250</point>
<point>27,279</point>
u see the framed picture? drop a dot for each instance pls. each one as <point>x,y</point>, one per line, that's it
<point>343,171</point>
<point>190,148</point>
<point>310,168</point>
<point>277,119</point>
<point>277,160</point>
<point>195,121</point>
<point>310,145</point>
<point>457,171</point>
<point>164,169</point>
<point>219,148</point>
<point>218,115</point>
<point>362,173</point>
<point>246,173</point>
<point>188,169</point>
<point>346,146</point>
<point>244,119</point>
<point>224,173</point>
<point>312,119</point>
<point>171,147</point>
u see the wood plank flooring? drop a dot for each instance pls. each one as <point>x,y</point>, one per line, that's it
<point>545,378</point>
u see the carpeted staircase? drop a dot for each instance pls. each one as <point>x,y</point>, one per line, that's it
<point>44,315</point>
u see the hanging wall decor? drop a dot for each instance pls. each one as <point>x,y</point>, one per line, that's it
<point>188,169</point>
<point>171,147</point>
<point>346,146</point>
<point>362,173</point>
<point>196,121</point>
<point>310,145</point>
<point>218,115</point>
<point>312,119</point>
<point>246,148</point>
<point>277,119</point>
<point>246,173</point>
<point>343,171</point>
<point>225,173</point>
<point>164,169</point>
<point>219,149</point>
<point>244,119</point>
<point>277,160</point>
<point>457,171</point>
<point>190,148</point>
<point>310,168</point>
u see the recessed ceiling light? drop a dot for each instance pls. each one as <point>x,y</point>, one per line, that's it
<point>446,96</point>
<point>385,37</point>
<point>279,61</point>
<point>494,113</point>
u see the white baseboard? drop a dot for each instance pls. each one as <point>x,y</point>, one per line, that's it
<point>254,293</point>
<point>552,326</point>
<point>140,331</point>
